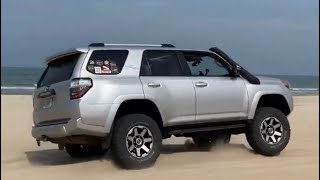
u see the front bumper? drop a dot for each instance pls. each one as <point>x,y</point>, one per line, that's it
<point>73,127</point>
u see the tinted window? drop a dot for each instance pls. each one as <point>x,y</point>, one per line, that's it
<point>107,61</point>
<point>59,70</point>
<point>202,64</point>
<point>160,63</point>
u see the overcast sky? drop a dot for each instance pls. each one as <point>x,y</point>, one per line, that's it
<point>266,37</point>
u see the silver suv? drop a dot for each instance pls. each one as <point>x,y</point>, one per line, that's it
<point>131,96</point>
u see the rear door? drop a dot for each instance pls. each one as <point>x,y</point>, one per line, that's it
<point>219,94</point>
<point>51,99</point>
<point>165,83</point>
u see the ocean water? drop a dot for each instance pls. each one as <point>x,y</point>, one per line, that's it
<point>18,80</point>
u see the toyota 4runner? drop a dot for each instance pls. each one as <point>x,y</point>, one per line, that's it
<point>128,97</point>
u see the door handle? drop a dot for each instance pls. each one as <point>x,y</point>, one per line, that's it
<point>201,84</point>
<point>154,85</point>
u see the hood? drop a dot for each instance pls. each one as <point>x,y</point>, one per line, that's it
<point>269,80</point>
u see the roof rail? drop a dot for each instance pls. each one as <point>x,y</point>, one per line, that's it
<point>141,45</point>
<point>167,45</point>
<point>96,45</point>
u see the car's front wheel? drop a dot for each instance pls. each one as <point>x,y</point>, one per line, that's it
<point>136,141</point>
<point>269,133</point>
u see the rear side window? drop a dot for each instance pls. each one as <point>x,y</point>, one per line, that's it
<point>107,61</point>
<point>59,70</point>
<point>160,63</point>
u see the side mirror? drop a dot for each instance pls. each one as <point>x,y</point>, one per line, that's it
<point>237,70</point>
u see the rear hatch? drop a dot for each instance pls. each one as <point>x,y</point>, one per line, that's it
<point>51,99</point>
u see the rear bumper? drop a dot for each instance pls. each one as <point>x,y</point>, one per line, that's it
<point>73,127</point>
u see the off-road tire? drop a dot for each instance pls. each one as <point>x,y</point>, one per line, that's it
<point>254,133</point>
<point>119,144</point>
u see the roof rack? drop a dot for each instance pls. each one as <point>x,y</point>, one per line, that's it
<point>96,45</point>
<point>141,45</point>
<point>167,45</point>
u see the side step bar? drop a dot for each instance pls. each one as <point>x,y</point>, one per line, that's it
<point>205,127</point>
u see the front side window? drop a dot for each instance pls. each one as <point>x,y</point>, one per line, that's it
<point>204,64</point>
<point>160,63</point>
<point>107,61</point>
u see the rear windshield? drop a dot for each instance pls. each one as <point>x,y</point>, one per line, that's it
<point>107,62</point>
<point>60,69</point>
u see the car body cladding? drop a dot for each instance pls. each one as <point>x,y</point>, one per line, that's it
<point>153,99</point>
<point>212,103</point>
<point>178,104</point>
<point>257,91</point>
<point>110,90</point>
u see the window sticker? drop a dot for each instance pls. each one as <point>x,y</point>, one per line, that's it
<point>99,62</point>
<point>106,68</point>
<point>97,70</point>
<point>105,71</point>
<point>91,68</point>
<point>113,67</point>
<point>106,62</point>
<point>91,62</point>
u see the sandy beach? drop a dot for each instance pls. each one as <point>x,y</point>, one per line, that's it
<point>21,158</point>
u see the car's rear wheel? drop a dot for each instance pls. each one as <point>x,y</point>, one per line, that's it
<point>136,141</point>
<point>269,133</point>
<point>78,151</point>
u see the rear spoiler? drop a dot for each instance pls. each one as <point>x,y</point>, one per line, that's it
<point>244,73</point>
<point>66,53</point>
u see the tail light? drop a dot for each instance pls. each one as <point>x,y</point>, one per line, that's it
<point>286,84</point>
<point>79,87</point>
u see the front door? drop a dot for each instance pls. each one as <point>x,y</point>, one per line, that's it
<point>219,95</point>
